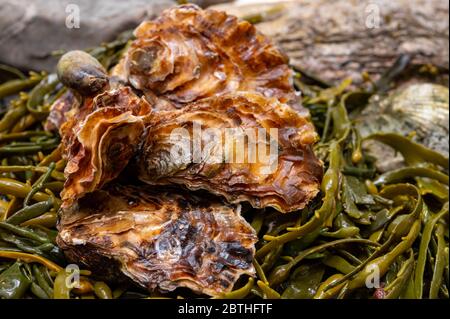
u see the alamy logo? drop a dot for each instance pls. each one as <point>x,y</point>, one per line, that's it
<point>73,16</point>
<point>227,145</point>
<point>373,16</point>
<point>73,276</point>
<point>373,278</point>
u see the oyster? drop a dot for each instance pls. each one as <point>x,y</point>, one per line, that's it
<point>187,54</point>
<point>232,163</point>
<point>175,61</point>
<point>159,240</point>
<point>420,110</point>
<point>57,117</point>
<point>101,123</point>
<point>100,139</point>
<point>197,60</point>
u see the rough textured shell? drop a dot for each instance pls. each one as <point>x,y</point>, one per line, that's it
<point>289,185</point>
<point>224,75</point>
<point>422,108</point>
<point>63,105</point>
<point>188,53</point>
<point>99,139</point>
<point>159,240</point>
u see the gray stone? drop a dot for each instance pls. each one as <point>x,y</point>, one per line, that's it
<point>336,39</point>
<point>30,30</point>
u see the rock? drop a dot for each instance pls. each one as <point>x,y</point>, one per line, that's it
<point>30,30</point>
<point>335,39</point>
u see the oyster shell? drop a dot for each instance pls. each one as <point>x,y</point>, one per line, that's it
<point>159,240</point>
<point>57,116</point>
<point>187,54</point>
<point>420,110</point>
<point>287,181</point>
<point>193,58</point>
<point>99,139</point>
<point>189,59</point>
<point>101,123</point>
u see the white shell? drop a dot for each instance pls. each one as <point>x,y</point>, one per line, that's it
<point>418,109</point>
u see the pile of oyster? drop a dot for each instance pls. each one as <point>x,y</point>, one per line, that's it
<point>131,208</point>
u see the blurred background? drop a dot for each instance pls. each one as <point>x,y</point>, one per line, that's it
<point>326,39</point>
